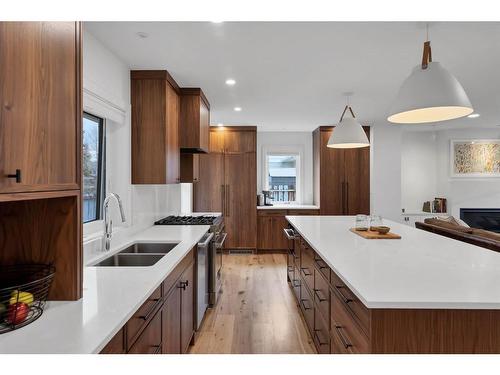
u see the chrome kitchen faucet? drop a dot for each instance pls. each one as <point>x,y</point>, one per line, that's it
<point>108,223</point>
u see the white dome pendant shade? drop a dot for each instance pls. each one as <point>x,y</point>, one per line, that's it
<point>429,94</point>
<point>348,133</point>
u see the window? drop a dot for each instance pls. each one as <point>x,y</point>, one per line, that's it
<point>282,176</point>
<point>93,163</point>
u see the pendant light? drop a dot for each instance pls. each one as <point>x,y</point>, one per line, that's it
<point>348,133</point>
<point>429,94</point>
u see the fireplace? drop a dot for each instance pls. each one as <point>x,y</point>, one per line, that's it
<point>483,218</point>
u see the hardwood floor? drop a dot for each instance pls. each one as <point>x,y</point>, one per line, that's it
<point>256,312</point>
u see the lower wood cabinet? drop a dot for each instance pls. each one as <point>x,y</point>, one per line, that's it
<point>270,225</point>
<point>149,342</point>
<point>165,322</point>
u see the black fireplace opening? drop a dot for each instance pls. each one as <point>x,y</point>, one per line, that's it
<point>482,218</point>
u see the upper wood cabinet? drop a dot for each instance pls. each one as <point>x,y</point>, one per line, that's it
<point>190,167</point>
<point>40,111</point>
<point>155,127</point>
<point>341,176</point>
<point>195,121</point>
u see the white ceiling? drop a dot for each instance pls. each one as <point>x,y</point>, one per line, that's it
<point>291,75</point>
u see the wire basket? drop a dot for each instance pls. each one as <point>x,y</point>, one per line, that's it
<point>23,293</point>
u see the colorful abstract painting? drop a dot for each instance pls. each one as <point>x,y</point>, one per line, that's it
<point>475,158</point>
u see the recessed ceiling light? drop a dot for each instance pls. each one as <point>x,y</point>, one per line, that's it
<point>217,21</point>
<point>474,115</point>
<point>230,82</point>
<point>220,124</point>
<point>237,109</point>
<point>142,35</point>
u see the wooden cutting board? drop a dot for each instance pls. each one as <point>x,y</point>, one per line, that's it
<point>372,235</point>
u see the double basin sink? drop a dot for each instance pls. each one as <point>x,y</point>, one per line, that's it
<point>138,255</point>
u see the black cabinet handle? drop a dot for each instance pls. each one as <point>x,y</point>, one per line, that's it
<point>317,293</point>
<point>303,269</point>
<point>183,284</point>
<point>319,262</point>
<point>157,349</point>
<point>152,309</point>
<point>303,305</point>
<point>346,299</point>
<point>17,176</point>
<point>318,338</point>
<point>345,342</point>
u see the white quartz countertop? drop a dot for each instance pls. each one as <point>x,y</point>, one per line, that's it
<point>289,207</point>
<point>421,270</point>
<point>111,295</point>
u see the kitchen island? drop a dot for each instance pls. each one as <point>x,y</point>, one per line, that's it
<point>422,293</point>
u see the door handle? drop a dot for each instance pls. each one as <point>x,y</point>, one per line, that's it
<point>16,175</point>
<point>228,203</point>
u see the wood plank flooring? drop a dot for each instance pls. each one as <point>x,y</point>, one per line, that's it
<point>256,312</point>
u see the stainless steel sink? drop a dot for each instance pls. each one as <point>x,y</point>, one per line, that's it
<point>130,260</point>
<point>149,248</point>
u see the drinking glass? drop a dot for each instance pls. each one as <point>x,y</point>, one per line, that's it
<point>375,221</point>
<point>361,222</point>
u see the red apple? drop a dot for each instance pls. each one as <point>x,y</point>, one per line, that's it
<point>17,313</point>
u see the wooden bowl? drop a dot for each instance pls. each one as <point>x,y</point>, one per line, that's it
<point>382,229</point>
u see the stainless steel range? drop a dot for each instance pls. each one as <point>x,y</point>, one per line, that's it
<point>213,251</point>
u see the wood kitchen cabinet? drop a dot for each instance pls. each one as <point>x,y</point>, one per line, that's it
<point>155,104</point>
<point>40,151</point>
<point>190,167</point>
<point>165,321</point>
<point>341,176</point>
<point>228,183</point>
<point>195,121</point>
<point>40,111</point>
<point>270,225</point>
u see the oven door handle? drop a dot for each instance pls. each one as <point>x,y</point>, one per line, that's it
<point>205,243</point>
<point>219,244</point>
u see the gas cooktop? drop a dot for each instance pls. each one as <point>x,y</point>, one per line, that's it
<point>187,220</point>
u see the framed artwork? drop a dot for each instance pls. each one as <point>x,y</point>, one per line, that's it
<point>475,158</point>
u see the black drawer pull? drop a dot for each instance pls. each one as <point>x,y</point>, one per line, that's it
<point>345,342</point>
<point>319,339</point>
<point>152,309</point>
<point>303,269</point>
<point>346,299</point>
<point>290,268</point>
<point>183,284</point>
<point>17,176</point>
<point>157,349</point>
<point>319,262</point>
<point>317,293</point>
<point>303,305</point>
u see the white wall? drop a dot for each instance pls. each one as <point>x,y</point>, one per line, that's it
<point>465,193</point>
<point>300,142</point>
<point>427,153</point>
<point>418,170</point>
<point>385,173</point>
<point>106,84</point>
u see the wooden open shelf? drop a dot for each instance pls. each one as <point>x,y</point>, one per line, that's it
<point>45,228</point>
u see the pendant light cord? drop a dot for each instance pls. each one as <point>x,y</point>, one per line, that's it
<point>427,54</point>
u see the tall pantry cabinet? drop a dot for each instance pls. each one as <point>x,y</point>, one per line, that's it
<point>228,183</point>
<point>341,176</point>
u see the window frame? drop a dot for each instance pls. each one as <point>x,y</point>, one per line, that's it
<point>298,177</point>
<point>101,163</point>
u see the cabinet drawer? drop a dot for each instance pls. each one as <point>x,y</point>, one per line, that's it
<point>297,251</point>
<point>307,265</point>
<point>116,345</point>
<point>290,265</point>
<point>307,306</point>
<point>296,281</point>
<point>142,316</point>
<point>322,267</point>
<point>337,346</point>
<point>321,294</point>
<point>351,302</point>
<point>321,333</point>
<point>348,332</point>
<point>149,341</point>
